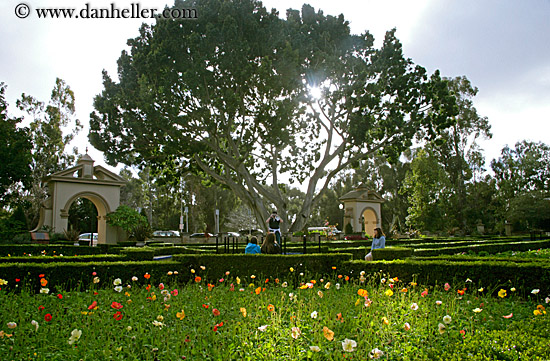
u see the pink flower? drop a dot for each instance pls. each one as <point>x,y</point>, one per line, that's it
<point>424,293</point>
<point>174,292</point>
<point>161,286</point>
<point>216,312</point>
<point>447,286</point>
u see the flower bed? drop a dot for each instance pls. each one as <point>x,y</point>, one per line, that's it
<point>244,317</point>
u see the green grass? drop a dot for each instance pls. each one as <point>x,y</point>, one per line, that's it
<point>150,328</point>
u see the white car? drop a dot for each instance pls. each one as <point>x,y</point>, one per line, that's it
<point>87,237</point>
<point>166,234</point>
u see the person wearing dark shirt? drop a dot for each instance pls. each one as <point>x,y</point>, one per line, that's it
<point>274,222</point>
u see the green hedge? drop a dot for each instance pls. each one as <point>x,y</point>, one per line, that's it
<point>271,266</point>
<point>466,258</point>
<point>78,275</point>
<point>49,259</point>
<point>488,274</point>
<point>37,249</point>
<point>489,248</point>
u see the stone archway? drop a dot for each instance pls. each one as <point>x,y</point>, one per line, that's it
<point>370,220</point>
<point>95,183</point>
<point>362,210</point>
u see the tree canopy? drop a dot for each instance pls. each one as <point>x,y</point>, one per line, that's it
<point>233,95</point>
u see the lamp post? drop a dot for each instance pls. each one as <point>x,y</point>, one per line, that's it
<point>341,206</point>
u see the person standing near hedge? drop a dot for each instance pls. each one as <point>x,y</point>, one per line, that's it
<point>252,246</point>
<point>379,241</point>
<point>274,222</point>
<point>270,246</point>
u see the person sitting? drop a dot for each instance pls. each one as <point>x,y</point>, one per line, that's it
<point>252,246</point>
<point>378,241</point>
<point>270,246</point>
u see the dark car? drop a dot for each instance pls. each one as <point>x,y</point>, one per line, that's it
<point>201,235</point>
<point>251,232</point>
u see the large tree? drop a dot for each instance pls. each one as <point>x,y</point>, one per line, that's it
<point>15,152</point>
<point>251,100</point>
<point>52,127</point>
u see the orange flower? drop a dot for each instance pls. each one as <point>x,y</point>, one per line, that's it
<point>148,287</point>
<point>43,282</point>
<point>329,335</point>
<point>198,279</point>
<point>340,276</point>
<point>147,276</point>
<point>346,278</point>
<point>258,290</point>
<point>266,280</point>
<point>340,317</point>
<point>333,267</point>
<point>270,308</point>
<point>277,280</point>
<point>243,311</point>
<point>210,286</point>
<point>363,293</point>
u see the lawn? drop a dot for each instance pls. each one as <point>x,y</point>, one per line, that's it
<point>243,317</point>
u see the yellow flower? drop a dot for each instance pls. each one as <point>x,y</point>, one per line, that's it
<point>291,269</point>
<point>320,293</point>
<point>327,285</point>
<point>413,284</point>
<point>385,321</point>
<point>192,270</point>
<point>238,280</point>
<point>363,293</point>
<point>502,293</point>
<point>481,289</point>
<point>3,282</point>
<point>537,313</point>
<point>181,315</point>
<point>243,311</point>
<point>357,302</point>
<point>388,293</point>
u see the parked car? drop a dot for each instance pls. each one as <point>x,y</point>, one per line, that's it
<point>231,234</point>
<point>87,237</point>
<point>166,234</point>
<point>199,235</point>
<point>253,232</point>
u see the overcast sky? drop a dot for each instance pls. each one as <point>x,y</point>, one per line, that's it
<point>502,46</point>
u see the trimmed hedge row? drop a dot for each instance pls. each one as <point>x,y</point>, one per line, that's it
<point>49,259</point>
<point>465,258</point>
<point>488,274</point>
<point>490,248</point>
<point>37,249</point>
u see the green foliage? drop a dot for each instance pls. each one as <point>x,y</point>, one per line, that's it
<point>131,221</point>
<point>15,152</point>
<point>348,229</point>
<point>71,234</point>
<point>254,71</point>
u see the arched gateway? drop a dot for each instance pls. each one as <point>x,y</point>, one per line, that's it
<point>85,180</point>
<point>362,210</point>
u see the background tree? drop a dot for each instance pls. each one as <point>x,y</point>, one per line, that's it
<point>52,128</point>
<point>230,95</point>
<point>522,177</point>
<point>15,152</point>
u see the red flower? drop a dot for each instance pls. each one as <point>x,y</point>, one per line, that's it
<point>217,325</point>
<point>147,276</point>
<point>198,279</point>
<point>174,292</point>
<point>94,273</point>
<point>216,312</point>
<point>116,305</point>
<point>93,305</point>
<point>205,306</point>
<point>60,296</point>
<point>95,293</point>
<point>161,286</point>
<point>41,275</point>
<point>117,316</point>
<point>187,339</point>
<point>40,308</point>
<point>48,317</point>
<point>17,279</point>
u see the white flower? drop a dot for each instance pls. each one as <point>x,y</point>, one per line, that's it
<point>337,286</point>
<point>263,328</point>
<point>315,348</point>
<point>383,280</point>
<point>296,332</point>
<point>314,314</point>
<point>75,336</point>
<point>96,279</point>
<point>438,303</point>
<point>158,323</point>
<point>118,288</point>
<point>362,273</point>
<point>349,345</point>
<point>441,328</point>
<point>547,300</point>
<point>376,353</point>
<point>535,291</point>
<point>129,328</point>
<point>45,290</point>
<point>117,282</point>
<point>285,284</point>
<point>414,307</point>
<point>468,280</point>
<point>134,278</point>
<point>447,319</point>
<point>35,324</point>
<point>477,310</point>
<point>407,326</point>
